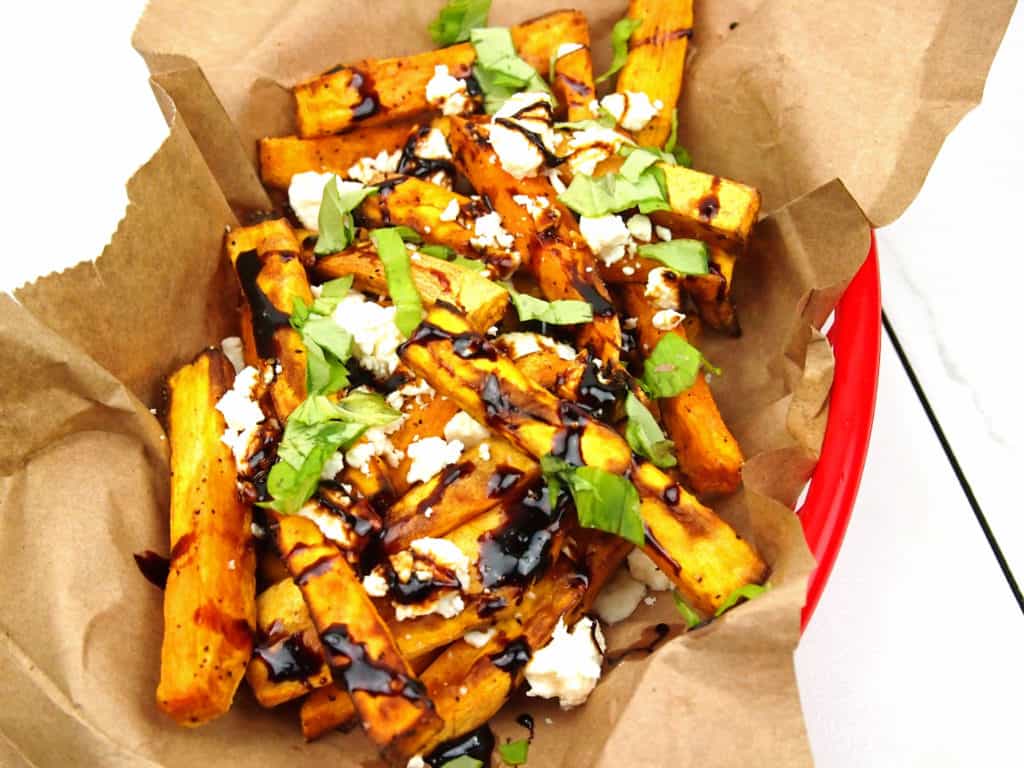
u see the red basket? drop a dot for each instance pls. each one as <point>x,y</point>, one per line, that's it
<point>856,336</point>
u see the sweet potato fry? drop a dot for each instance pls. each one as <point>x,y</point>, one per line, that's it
<point>536,41</point>
<point>657,55</point>
<point>681,533</point>
<point>719,211</point>
<point>460,493</point>
<point>357,643</point>
<point>424,418</point>
<point>272,278</point>
<point>436,280</point>
<point>553,249</point>
<point>283,157</point>
<point>709,456</point>
<point>209,603</point>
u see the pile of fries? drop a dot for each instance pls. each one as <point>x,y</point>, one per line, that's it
<point>465,392</point>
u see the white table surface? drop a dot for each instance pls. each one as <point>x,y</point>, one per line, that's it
<point>913,656</point>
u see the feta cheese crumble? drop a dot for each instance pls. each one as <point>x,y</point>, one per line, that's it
<point>429,456</point>
<point>535,206</point>
<point>663,233</point>
<point>306,192</point>
<point>448,93</point>
<point>485,451</point>
<point>231,346</point>
<point>522,343</point>
<point>643,569</point>
<point>631,109</point>
<point>518,155</point>
<point>465,429</point>
<point>569,666</point>
<point>242,414</point>
<point>375,584</point>
<point>332,526</point>
<point>424,558</point>
<point>667,319</point>
<point>619,598</point>
<point>445,554</point>
<point>334,465</point>
<point>566,48</point>
<point>370,170</point>
<point>451,211</point>
<point>375,337</point>
<point>592,145</point>
<point>606,235</point>
<point>639,227</point>
<point>433,146</point>
<point>663,288</point>
<point>489,233</point>
<point>376,442</point>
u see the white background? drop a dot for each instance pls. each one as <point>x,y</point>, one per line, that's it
<point>913,656</point>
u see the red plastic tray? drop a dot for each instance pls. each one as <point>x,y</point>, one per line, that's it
<point>856,336</point>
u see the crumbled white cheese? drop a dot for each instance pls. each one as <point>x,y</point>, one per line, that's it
<point>485,451</point>
<point>629,323</point>
<point>306,192</point>
<point>535,206</point>
<point>232,349</point>
<point>619,598</point>
<point>663,233</point>
<point>606,235</point>
<point>642,568</point>
<point>376,442</point>
<point>433,146</point>
<point>489,233</point>
<point>444,554</point>
<point>332,526</point>
<point>518,155</point>
<point>592,145</point>
<point>375,584</point>
<point>451,211</point>
<point>374,334</point>
<point>416,761</point>
<point>429,456</point>
<point>334,465</point>
<point>650,600</point>
<point>465,429</point>
<point>418,391</point>
<point>631,109</point>
<point>370,170</point>
<point>520,344</point>
<point>556,180</point>
<point>448,93</point>
<point>242,414</point>
<point>629,271</point>
<point>565,49</point>
<point>447,603</point>
<point>639,226</point>
<point>667,319</point>
<point>569,666</point>
<point>663,288</point>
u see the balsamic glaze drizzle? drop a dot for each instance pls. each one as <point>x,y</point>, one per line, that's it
<point>266,318</point>
<point>478,744</point>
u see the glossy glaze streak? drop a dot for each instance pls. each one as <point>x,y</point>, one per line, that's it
<point>266,318</point>
<point>519,551</point>
<point>513,657</point>
<point>154,567</point>
<point>359,672</point>
<point>288,658</point>
<point>478,744</point>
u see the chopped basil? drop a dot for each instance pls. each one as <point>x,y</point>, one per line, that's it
<point>604,119</point>
<point>408,234</point>
<point>313,432</point>
<point>746,592</point>
<point>559,312</point>
<point>456,19</point>
<point>337,228</point>
<point>463,761</point>
<point>473,265</point>
<point>604,501</point>
<point>638,160</point>
<point>328,345</point>
<point>645,436</point>
<point>690,616</point>
<point>331,293</point>
<point>438,251</point>
<point>679,154</point>
<point>514,752</point>
<point>671,368</point>
<point>621,33</point>
<point>499,70</point>
<point>401,288</point>
<point>600,195</point>
<point>686,257</point>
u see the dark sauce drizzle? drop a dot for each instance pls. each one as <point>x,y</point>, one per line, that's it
<point>550,158</point>
<point>602,306</point>
<point>369,101</point>
<point>358,672</point>
<point>526,720</point>
<point>154,567</point>
<point>411,164</point>
<point>503,480</point>
<point>266,318</point>
<point>448,477</point>
<point>288,658</point>
<point>478,744</point>
<point>600,390</point>
<point>514,657</point>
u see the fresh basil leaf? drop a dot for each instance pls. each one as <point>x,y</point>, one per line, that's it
<point>405,297</point>
<point>746,592</point>
<point>559,312</point>
<point>408,234</point>
<point>329,336</point>
<point>438,251</point>
<point>613,192</point>
<point>336,226</point>
<point>621,33</point>
<point>364,407</point>
<point>607,502</point>
<point>331,292</point>
<point>690,616</point>
<point>554,470</point>
<point>638,160</point>
<point>463,761</point>
<point>682,157</point>
<point>672,367</point>
<point>300,312</point>
<point>473,265</point>
<point>604,119</point>
<point>456,19</point>
<point>685,257</point>
<point>324,371</point>
<point>514,752</point>
<point>645,436</point>
<point>673,133</point>
<point>499,70</point>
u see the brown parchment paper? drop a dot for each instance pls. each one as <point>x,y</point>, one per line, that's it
<point>82,460</point>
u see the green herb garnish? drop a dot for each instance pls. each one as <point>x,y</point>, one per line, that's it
<point>672,367</point>
<point>514,752</point>
<point>679,154</point>
<point>336,227</point>
<point>621,33</point>
<point>499,70</point>
<point>746,592</point>
<point>401,288</point>
<point>455,21</point>
<point>600,195</point>
<point>645,436</point>
<point>328,345</point>
<point>604,501</point>
<point>685,257</point>
<point>690,616</point>
<point>463,761</point>
<point>558,312</point>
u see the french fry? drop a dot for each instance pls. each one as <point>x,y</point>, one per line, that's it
<point>283,157</point>
<point>272,278</point>
<point>709,456</point>
<point>460,493</point>
<point>702,555</point>
<point>287,661</point>
<point>719,211</point>
<point>657,55</point>
<point>573,86</point>
<point>436,280</point>
<point>381,91</point>
<point>554,251</point>
<point>424,418</point>
<point>209,602</point>
<point>536,42</point>
<point>357,643</point>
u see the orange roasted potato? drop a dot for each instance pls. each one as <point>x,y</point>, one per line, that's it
<point>209,602</point>
<point>573,85</point>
